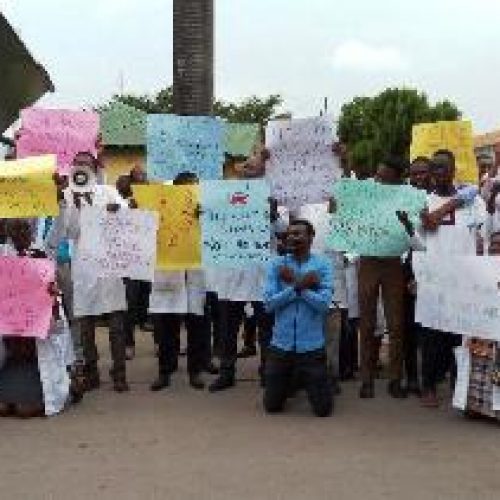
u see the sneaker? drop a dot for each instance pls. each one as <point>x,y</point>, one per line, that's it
<point>221,384</point>
<point>120,386</point>
<point>247,352</point>
<point>147,327</point>
<point>396,390</point>
<point>429,400</point>
<point>367,390</point>
<point>92,382</point>
<point>196,382</point>
<point>336,389</point>
<point>212,369</point>
<point>413,387</point>
<point>160,383</point>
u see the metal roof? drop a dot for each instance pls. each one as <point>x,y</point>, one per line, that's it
<point>22,80</point>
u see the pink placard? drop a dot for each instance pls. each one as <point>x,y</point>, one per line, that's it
<point>25,302</point>
<point>61,132</point>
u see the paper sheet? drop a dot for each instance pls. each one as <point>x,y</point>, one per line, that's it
<point>120,245</point>
<point>302,166</point>
<point>55,131</point>
<point>178,144</point>
<point>365,222</point>
<point>235,223</point>
<point>27,188</point>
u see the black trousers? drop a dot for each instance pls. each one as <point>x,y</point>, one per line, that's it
<point>437,356</point>
<point>348,350</point>
<point>137,293</point>
<point>167,328</point>
<point>283,369</point>
<point>257,326</point>
<point>231,315</point>
<point>116,341</point>
<point>212,318</point>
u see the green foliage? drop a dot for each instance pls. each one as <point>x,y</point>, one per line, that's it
<point>373,127</point>
<point>251,110</point>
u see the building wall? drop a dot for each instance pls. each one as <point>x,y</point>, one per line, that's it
<point>490,150</point>
<point>119,161</point>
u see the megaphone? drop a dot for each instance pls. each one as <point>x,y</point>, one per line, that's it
<point>82,179</point>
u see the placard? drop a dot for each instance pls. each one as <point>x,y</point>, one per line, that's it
<point>61,132</point>
<point>27,188</point>
<point>458,294</point>
<point>365,222</point>
<point>25,302</point>
<point>121,244</point>
<point>302,165</point>
<point>455,136</point>
<point>235,223</point>
<point>240,139</point>
<point>179,234</point>
<point>177,144</point>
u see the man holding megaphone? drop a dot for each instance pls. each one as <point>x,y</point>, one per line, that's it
<point>92,296</point>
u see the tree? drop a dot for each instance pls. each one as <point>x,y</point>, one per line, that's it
<point>373,127</point>
<point>251,110</point>
<point>162,102</point>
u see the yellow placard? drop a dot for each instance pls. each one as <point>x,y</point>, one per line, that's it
<point>27,188</point>
<point>455,136</point>
<point>179,234</point>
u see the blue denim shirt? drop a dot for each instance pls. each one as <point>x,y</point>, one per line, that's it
<point>299,317</point>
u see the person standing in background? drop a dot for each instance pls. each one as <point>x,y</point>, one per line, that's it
<point>137,291</point>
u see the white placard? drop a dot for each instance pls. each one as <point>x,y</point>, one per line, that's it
<point>121,244</point>
<point>302,166</point>
<point>459,294</point>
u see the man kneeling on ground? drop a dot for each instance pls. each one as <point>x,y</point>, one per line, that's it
<point>298,291</point>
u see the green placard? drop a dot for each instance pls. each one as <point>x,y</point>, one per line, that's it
<point>123,125</point>
<point>241,138</point>
<point>366,223</point>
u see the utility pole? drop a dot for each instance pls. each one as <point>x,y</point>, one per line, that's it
<point>193,57</point>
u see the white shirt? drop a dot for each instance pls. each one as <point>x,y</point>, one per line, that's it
<point>458,234</point>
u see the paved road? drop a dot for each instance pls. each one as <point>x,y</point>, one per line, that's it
<point>183,444</point>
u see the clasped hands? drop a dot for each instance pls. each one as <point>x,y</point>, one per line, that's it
<point>310,281</point>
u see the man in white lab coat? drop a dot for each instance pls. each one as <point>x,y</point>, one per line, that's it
<point>177,297</point>
<point>92,296</point>
<point>235,288</point>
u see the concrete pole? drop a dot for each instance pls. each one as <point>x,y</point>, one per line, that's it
<point>193,57</point>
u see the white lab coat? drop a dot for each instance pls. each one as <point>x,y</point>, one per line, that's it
<point>339,279</point>
<point>92,296</point>
<point>458,238</point>
<point>351,274</point>
<point>178,292</point>
<point>237,285</point>
<point>55,354</point>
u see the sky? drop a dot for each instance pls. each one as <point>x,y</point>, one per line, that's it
<point>304,50</point>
